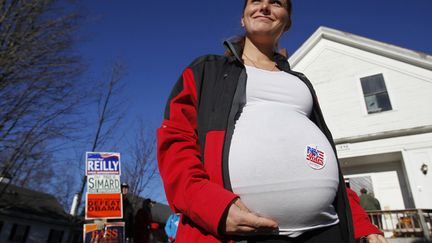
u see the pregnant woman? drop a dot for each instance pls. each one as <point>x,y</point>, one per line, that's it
<point>244,152</point>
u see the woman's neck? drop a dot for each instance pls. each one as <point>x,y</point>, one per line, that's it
<point>259,55</point>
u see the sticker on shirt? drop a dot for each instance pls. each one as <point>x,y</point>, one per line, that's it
<point>315,157</point>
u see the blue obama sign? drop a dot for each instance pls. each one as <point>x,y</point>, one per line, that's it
<point>102,163</point>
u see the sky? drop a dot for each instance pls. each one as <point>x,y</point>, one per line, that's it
<point>156,40</point>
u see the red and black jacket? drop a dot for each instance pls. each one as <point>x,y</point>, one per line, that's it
<point>194,142</point>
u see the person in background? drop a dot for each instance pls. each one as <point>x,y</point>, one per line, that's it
<point>369,202</point>
<point>143,218</point>
<point>244,151</point>
<point>128,213</point>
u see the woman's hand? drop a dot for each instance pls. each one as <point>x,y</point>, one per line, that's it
<point>374,238</point>
<point>241,220</point>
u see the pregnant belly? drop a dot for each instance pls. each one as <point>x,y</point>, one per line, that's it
<point>283,167</point>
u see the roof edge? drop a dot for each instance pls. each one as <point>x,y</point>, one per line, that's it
<point>380,48</point>
<point>385,135</point>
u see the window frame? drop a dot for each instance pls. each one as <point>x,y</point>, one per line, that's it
<point>12,233</point>
<point>362,95</point>
<point>51,235</point>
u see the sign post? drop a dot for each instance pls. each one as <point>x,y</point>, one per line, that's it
<point>103,198</point>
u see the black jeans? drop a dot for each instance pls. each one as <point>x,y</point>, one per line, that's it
<point>327,234</point>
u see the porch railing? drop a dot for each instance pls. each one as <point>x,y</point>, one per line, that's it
<point>415,223</point>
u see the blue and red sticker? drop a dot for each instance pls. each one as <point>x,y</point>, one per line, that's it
<point>315,157</point>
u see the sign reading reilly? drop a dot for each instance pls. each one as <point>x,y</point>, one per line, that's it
<point>103,184</point>
<point>102,163</point>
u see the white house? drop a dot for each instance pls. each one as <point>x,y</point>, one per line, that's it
<point>376,99</point>
<point>33,217</point>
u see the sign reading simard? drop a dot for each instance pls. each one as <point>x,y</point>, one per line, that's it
<point>103,184</point>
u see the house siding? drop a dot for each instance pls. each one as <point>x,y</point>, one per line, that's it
<point>335,69</point>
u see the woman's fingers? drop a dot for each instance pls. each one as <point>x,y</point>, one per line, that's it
<point>233,219</point>
<point>382,239</point>
<point>374,238</point>
<point>255,221</point>
<point>244,229</point>
<point>241,205</point>
<point>240,220</point>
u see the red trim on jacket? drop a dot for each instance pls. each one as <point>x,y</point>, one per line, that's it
<point>187,184</point>
<point>362,224</point>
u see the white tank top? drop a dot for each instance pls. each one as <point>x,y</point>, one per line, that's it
<point>280,163</point>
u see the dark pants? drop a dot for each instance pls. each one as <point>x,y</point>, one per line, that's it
<point>328,234</point>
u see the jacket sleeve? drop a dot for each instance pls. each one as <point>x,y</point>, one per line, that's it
<point>188,188</point>
<point>362,224</point>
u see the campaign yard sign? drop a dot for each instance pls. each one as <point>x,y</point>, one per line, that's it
<point>103,184</point>
<point>108,206</point>
<point>113,232</point>
<point>98,163</point>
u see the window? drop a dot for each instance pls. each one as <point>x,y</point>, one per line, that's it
<point>19,233</point>
<point>55,236</point>
<point>77,237</point>
<point>375,94</point>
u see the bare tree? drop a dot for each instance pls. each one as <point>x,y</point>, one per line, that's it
<point>110,113</point>
<point>141,167</point>
<point>39,84</point>
<point>65,187</point>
